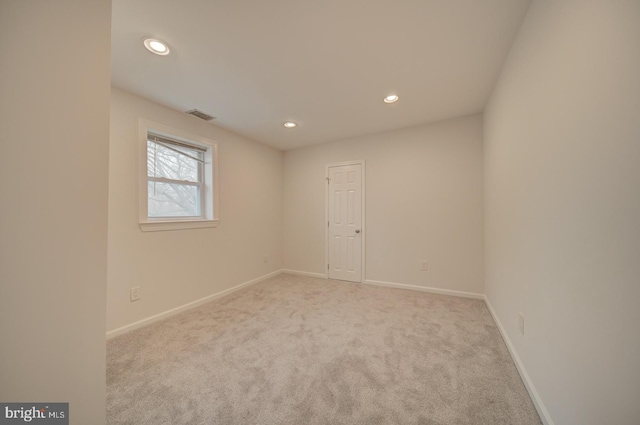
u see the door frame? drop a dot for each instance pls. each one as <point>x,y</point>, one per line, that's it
<point>363,231</point>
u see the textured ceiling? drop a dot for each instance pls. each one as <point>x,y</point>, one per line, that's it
<point>324,64</point>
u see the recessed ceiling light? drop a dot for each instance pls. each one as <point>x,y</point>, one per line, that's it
<point>156,46</point>
<point>290,124</point>
<point>391,98</point>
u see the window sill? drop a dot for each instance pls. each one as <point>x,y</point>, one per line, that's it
<point>158,226</point>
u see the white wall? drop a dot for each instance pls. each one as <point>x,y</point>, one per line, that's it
<point>54,116</point>
<point>176,267</point>
<point>423,202</point>
<point>562,174</point>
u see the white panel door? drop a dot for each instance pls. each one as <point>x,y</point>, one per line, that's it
<point>345,222</point>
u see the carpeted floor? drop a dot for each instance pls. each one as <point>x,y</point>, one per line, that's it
<point>304,351</point>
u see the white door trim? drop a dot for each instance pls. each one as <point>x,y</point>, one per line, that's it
<point>326,215</point>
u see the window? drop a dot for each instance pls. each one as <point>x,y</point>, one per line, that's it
<point>177,179</point>
<point>174,178</point>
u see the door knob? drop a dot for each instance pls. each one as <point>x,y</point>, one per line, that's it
<point>358,231</point>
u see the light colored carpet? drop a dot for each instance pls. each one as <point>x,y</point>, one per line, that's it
<point>299,350</point>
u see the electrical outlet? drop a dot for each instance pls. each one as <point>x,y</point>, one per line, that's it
<point>521,323</point>
<point>423,265</point>
<point>135,293</point>
<point>265,258</point>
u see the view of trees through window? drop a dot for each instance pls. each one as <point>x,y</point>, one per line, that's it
<point>174,180</point>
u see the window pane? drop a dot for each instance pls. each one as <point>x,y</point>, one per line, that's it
<point>173,200</point>
<point>163,162</point>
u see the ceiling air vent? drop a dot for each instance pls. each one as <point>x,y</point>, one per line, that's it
<point>200,115</point>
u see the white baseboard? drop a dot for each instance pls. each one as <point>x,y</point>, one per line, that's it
<point>301,273</point>
<point>426,289</point>
<point>399,285</point>
<point>533,393</point>
<point>193,304</point>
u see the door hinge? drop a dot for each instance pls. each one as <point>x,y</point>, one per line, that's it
<point>327,224</point>
<point>327,267</point>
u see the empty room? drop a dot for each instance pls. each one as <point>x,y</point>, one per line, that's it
<point>338,212</point>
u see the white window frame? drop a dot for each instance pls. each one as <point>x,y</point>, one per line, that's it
<point>209,194</point>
